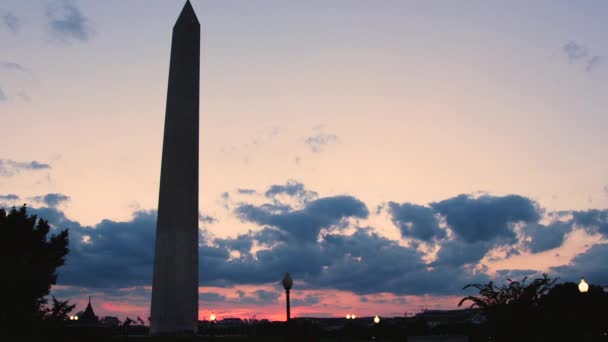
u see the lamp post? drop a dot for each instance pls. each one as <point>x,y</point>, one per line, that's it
<point>287,283</point>
<point>212,320</point>
<point>347,329</point>
<point>375,328</point>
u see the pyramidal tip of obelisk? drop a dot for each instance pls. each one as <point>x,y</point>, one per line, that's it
<point>187,15</point>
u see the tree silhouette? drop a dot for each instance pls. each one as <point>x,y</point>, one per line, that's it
<point>59,310</point>
<point>511,310</point>
<point>29,259</point>
<point>515,292</point>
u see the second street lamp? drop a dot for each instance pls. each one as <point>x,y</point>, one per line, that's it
<point>287,283</point>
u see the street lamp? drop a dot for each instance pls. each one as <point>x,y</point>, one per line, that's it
<point>583,287</point>
<point>211,330</point>
<point>348,316</point>
<point>376,320</point>
<point>287,283</point>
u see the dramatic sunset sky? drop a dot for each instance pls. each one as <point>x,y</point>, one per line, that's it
<point>385,153</point>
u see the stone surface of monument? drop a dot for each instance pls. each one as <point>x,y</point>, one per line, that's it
<point>174,308</point>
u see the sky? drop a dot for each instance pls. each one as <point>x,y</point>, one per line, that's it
<point>384,153</point>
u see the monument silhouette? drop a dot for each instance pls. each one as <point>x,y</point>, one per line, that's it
<point>174,308</point>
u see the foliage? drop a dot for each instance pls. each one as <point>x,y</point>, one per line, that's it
<point>510,309</point>
<point>59,310</point>
<point>540,310</point>
<point>29,259</point>
<point>513,293</point>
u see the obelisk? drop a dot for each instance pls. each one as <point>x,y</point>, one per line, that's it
<point>174,308</point>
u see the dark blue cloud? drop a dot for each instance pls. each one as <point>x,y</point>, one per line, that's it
<point>305,225</point>
<point>502,276</point>
<point>543,238</point>
<point>593,220</point>
<point>293,189</point>
<point>363,263</point>
<point>112,255</point>
<point>415,221</point>
<point>257,297</point>
<point>306,301</point>
<point>117,254</point>
<point>10,22</point>
<point>67,22</point>
<point>487,217</point>
<point>206,218</point>
<point>9,167</point>
<point>242,243</point>
<point>481,224</point>
<point>108,255</point>
<point>246,191</point>
<point>591,265</point>
<point>9,197</point>
<point>52,200</point>
<point>319,141</point>
<point>458,252</point>
<point>120,254</point>
<point>260,297</point>
<point>593,63</point>
<point>574,51</point>
<point>211,297</point>
<point>13,66</point>
<point>267,266</point>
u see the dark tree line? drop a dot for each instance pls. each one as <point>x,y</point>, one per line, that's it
<point>540,310</point>
<point>29,258</point>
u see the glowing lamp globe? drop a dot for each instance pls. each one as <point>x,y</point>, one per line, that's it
<point>348,316</point>
<point>583,286</point>
<point>376,319</point>
<point>353,316</point>
<point>212,317</point>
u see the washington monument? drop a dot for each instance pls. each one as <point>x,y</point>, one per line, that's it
<point>175,285</point>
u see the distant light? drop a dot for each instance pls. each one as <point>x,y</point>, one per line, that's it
<point>353,316</point>
<point>348,316</point>
<point>212,317</point>
<point>583,286</point>
<point>71,318</point>
<point>75,318</point>
<point>376,319</point>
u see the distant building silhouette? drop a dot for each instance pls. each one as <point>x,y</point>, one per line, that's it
<point>88,316</point>
<point>110,321</point>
